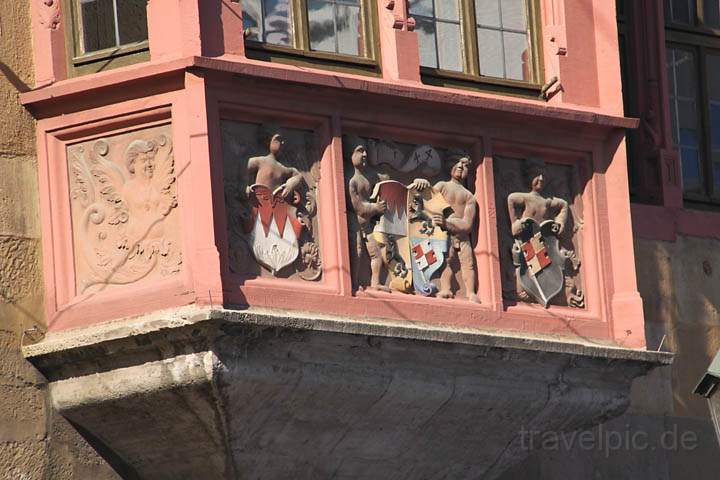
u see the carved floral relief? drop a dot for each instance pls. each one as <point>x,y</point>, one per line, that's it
<point>271,177</point>
<point>411,216</point>
<point>538,231</point>
<point>124,211</point>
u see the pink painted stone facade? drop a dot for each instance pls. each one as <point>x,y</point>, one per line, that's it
<point>199,79</point>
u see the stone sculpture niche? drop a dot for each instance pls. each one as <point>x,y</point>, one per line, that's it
<point>271,177</point>
<point>124,209</point>
<point>411,217</point>
<point>539,232</point>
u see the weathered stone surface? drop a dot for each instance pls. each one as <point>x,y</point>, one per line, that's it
<point>268,395</point>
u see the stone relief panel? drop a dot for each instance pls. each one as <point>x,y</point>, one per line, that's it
<point>271,176</point>
<point>123,199</point>
<point>411,216</point>
<point>539,210</point>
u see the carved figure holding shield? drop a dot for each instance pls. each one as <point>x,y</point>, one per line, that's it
<point>536,223</point>
<point>360,188</point>
<point>459,225</point>
<point>273,229</point>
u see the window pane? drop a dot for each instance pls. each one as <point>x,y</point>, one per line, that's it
<point>490,50</point>
<point>447,10</point>
<point>252,19</point>
<point>487,13</point>
<point>348,23</point>
<point>267,21</point>
<point>711,13</point>
<point>98,24</point>
<point>422,7</point>
<point>683,97</point>
<point>516,56</point>
<point>716,174</point>
<point>513,14</point>
<point>426,38</point>
<point>277,26</point>
<point>681,12</point>
<point>448,35</point>
<point>335,26</point>
<point>132,21</point>
<point>439,34</point>
<point>690,169</point>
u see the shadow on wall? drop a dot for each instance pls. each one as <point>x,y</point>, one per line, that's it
<point>14,80</point>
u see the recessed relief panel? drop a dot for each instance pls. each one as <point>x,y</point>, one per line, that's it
<point>271,176</point>
<point>412,215</point>
<point>539,209</point>
<point>125,220</point>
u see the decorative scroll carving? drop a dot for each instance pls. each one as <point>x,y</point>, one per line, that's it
<point>124,209</point>
<point>271,180</point>
<point>49,13</point>
<point>414,237</point>
<point>541,235</point>
<point>402,19</point>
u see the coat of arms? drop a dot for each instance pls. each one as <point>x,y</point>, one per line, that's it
<point>273,229</point>
<point>413,248</point>
<point>538,260</point>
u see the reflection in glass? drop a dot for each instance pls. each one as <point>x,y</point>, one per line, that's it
<point>267,21</point>
<point>439,34</point>
<point>335,26</point>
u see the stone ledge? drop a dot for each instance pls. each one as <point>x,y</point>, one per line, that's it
<point>216,393</point>
<point>165,320</point>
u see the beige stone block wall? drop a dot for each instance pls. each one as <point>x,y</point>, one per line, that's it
<point>35,443</point>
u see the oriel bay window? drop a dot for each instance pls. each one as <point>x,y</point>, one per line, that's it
<point>106,33</point>
<point>693,70</point>
<point>323,29</point>
<point>494,41</point>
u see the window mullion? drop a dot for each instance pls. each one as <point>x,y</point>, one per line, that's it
<point>117,24</point>
<point>301,25</point>
<point>469,37</point>
<point>699,13</point>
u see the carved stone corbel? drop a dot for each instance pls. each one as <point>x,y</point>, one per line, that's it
<point>402,19</point>
<point>49,14</point>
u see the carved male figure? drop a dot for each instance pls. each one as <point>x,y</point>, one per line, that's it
<point>360,188</point>
<point>536,212</point>
<point>533,204</point>
<point>459,224</point>
<point>269,171</point>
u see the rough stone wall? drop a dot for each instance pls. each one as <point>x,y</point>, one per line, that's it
<point>680,285</point>
<point>35,443</point>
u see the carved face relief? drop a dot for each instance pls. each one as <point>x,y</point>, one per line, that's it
<point>539,241</point>
<point>411,220</point>
<point>124,209</point>
<point>271,177</point>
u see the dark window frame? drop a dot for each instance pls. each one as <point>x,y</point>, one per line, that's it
<point>701,41</point>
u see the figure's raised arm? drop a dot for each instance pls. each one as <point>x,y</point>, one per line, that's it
<point>253,166</point>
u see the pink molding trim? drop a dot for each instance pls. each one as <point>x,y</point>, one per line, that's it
<point>316,77</point>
